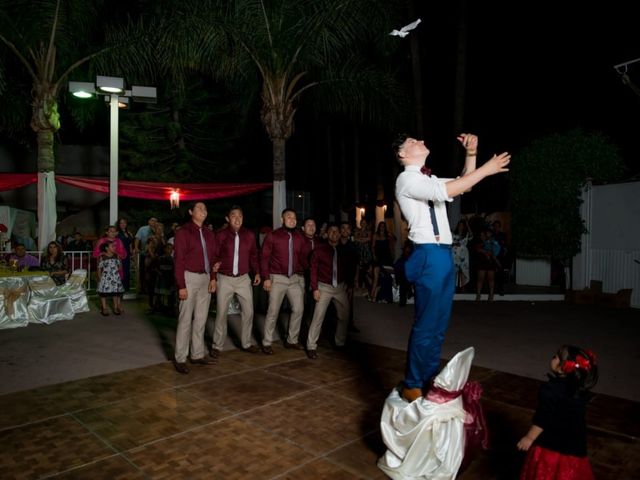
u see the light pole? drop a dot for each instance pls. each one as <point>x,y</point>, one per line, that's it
<point>114,92</point>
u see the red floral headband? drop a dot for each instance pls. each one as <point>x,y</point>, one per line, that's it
<point>580,363</point>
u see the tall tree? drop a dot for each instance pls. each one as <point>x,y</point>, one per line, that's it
<point>290,48</point>
<point>41,43</point>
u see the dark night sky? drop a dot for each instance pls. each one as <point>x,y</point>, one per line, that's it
<point>539,68</point>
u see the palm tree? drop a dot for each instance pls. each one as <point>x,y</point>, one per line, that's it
<point>46,40</point>
<point>290,48</point>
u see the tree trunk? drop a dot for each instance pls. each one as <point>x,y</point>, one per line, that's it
<point>279,183</point>
<point>46,160</point>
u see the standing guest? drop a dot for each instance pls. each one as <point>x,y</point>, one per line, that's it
<point>461,237</point>
<point>422,198</point>
<point>362,238</point>
<point>330,274</point>
<point>311,240</point>
<point>382,245</point>
<point>556,443</point>
<point>78,243</point>
<point>127,239</point>
<point>164,291</point>
<point>109,278</point>
<point>55,262</point>
<point>195,249</point>
<point>139,247</point>
<point>174,227</point>
<point>110,235</point>
<point>352,250</point>
<point>404,286</point>
<point>282,263</point>
<point>237,252</point>
<point>504,260</point>
<point>22,259</point>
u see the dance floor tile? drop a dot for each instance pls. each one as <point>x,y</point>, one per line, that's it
<point>260,360</point>
<point>318,420</point>
<point>614,457</point>
<point>624,419</point>
<point>28,406</point>
<point>368,356</point>
<point>361,456</point>
<point>47,447</point>
<point>230,449</point>
<point>145,418</point>
<point>112,468</point>
<point>246,390</point>
<point>321,468</point>
<point>321,371</point>
<point>166,372</point>
<point>372,388</point>
<point>512,389</point>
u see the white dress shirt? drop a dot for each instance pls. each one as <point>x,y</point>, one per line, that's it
<point>413,191</point>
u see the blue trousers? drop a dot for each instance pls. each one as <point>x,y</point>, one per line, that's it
<point>430,268</point>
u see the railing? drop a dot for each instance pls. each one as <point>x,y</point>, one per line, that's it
<point>77,259</point>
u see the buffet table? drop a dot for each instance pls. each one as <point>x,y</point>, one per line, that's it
<point>33,297</point>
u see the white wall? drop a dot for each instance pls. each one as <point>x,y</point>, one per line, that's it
<point>610,249</point>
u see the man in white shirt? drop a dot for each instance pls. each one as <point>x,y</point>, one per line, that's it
<point>422,198</point>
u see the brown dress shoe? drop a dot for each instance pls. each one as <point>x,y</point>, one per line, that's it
<point>411,394</point>
<point>251,349</point>
<point>202,361</point>
<point>312,354</point>
<point>267,350</point>
<point>214,353</point>
<point>295,346</point>
<point>181,367</point>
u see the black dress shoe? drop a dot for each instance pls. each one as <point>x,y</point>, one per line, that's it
<point>202,361</point>
<point>214,353</point>
<point>251,349</point>
<point>295,346</point>
<point>181,367</point>
<point>312,354</point>
<point>267,350</point>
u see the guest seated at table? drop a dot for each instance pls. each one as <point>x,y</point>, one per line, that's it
<point>22,258</point>
<point>55,262</point>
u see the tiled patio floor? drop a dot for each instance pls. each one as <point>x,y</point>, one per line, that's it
<point>265,417</point>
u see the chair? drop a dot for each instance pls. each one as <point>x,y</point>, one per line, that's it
<point>46,305</point>
<point>429,437</point>
<point>14,297</point>
<point>74,289</point>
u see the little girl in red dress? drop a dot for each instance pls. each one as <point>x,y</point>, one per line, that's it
<point>556,443</point>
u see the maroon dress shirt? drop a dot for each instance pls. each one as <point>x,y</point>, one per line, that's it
<point>322,264</point>
<point>188,255</point>
<point>274,257</point>
<point>247,251</point>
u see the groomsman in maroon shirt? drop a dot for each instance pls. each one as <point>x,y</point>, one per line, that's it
<point>194,253</point>
<point>282,262</point>
<point>238,256</point>
<point>331,275</point>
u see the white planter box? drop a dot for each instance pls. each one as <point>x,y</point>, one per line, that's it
<point>533,272</point>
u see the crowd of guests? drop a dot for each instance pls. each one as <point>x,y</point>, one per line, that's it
<point>481,256</point>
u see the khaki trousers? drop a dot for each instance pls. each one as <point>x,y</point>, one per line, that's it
<point>227,286</point>
<point>293,288</point>
<point>192,318</point>
<point>328,294</point>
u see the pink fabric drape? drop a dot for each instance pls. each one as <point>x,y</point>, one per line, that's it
<point>146,190</point>
<point>9,181</point>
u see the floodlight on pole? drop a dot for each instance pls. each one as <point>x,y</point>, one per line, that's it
<point>113,89</point>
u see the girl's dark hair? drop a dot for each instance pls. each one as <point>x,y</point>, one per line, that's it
<point>104,246</point>
<point>580,368</point>
<point>381,224</point>
<point>59,253</point>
